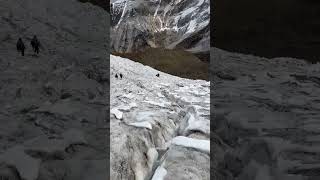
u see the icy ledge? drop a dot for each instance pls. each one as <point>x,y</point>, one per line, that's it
<point>201,145</point>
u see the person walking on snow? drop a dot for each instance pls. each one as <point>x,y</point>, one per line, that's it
<point>20,46</point>
<point>35,44</point>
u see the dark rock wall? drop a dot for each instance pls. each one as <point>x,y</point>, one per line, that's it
<point>105,4</point>
<point>270,28</point>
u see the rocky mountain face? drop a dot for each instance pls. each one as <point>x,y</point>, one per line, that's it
<point>53,105</point>
<point>286,28</point>
<point>139,24</point>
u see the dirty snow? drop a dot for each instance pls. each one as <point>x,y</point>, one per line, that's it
<point>165,106</point>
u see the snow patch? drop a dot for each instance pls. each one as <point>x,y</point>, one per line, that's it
<point>118,114</point>
<point>160,173</point>
<point>198,124</point>
<point>143,124</point>
<point>144,116</point>
<point>127,108</point>
<point>202,145</point>
<point>160,104</point>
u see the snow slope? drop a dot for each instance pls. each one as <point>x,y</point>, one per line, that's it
<point>145,139</point>
<point>53,105</point>
<point>266,117</point>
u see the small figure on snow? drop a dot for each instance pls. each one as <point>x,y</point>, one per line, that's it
<point>20,46</point>
<point>116,76</point>
<point>120,76</point>
<point>35,44</point>
<point>158,75</point>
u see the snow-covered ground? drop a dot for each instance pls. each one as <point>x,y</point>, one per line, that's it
<point>53,105</point>
<point>266,118</point>
<point>158,124</point>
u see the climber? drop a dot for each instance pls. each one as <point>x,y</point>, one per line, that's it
<point>20,46</point>
<point>120,75</point>
<point>158,75</point>
<point>116,76</point>
<point>35,44</point>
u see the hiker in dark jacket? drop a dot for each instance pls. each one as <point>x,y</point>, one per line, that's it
<point>120,76</point>
<point>20,46</point>
<point>35,44</point>
<point>116,76</point>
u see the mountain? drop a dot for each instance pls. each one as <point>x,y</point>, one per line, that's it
<point>160,125</point>
<point>286,28</point>
<point>138,24</point>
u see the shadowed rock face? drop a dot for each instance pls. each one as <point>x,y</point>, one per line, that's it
<point>170,24</point>
<point>101,3</point>
<point>268,28</point>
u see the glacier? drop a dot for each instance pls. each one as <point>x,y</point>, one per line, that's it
<point>159,121</point>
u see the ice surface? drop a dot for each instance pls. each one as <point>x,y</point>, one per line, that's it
<point>202,145</point>
<point>160,173</point>
<point>127,108</point>
<point>143,116</point>
<point>164,105</point>
<point>161,104</point>
<point>118,114</point>
<point>143,124</point>
<point>199,124</point>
